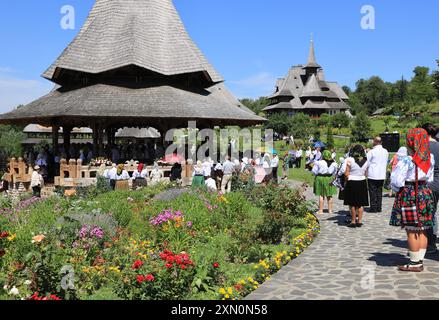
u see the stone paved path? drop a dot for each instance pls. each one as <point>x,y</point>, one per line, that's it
<point>336,265</point>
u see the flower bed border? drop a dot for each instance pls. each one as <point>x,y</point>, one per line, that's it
<point>272,265</point>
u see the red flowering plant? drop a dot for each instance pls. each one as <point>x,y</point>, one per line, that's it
<point>4,235</point>
<point>48,297</point>
<point>162,276</point>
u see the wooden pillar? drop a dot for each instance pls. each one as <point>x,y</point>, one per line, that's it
<point>55,138</point>
<point>95,139</point>
<point>101,151</point>
<point>66,136</point>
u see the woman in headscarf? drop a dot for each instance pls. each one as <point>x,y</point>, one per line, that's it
<point>413,208</point>
<point>267,167</point>
<point>140,177</point>
<point>198,180</point>
<point>156,175</point>
<point>324,171</point>
<point>356,194</point>
<point>401,154</point>
<point>120,174</point>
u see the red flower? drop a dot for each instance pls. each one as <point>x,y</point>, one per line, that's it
<point>216,265</point>
<point>149,278</point>
<point>169,265</point>
<point>137,264</point>
<point>239,287</point>
<point>4,234</point>
<point>140,279</point>
<point>35,296</point>
<point>183,267</point>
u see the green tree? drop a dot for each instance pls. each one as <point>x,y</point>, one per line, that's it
<point>435,78</point>
<point>10,143</point>
<point>279,122</point>
<point>330,143</point>
<point>340,120</point>
<point>324,120</point>
<point>300,126</point>
<point>401,90</point>
<point>421,90</point>
<point>361,128</point>
<point>256,105</point>
<point>347,90</point>
<point>372,94</point>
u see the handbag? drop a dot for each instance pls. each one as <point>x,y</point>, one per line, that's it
<point>338,181</point>
<point>387,185</point>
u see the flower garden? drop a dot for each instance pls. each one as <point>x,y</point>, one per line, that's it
<point>98,245</point>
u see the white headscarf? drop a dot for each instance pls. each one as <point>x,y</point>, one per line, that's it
<point>402,152</point>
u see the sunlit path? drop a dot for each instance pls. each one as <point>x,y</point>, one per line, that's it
<point>337,265</point>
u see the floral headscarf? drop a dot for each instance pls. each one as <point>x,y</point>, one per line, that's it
<point>120,169</point>
<point>419,145</point>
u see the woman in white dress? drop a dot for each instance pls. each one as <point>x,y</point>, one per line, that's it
<point>156,175</point>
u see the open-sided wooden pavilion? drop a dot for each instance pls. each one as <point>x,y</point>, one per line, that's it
<point>132,65</point>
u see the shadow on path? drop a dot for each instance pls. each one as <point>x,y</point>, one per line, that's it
<point>388,259</point>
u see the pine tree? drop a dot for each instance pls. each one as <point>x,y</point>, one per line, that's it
<point>362,128</point>
<point>330,143</point>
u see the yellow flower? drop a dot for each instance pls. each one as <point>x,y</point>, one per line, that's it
<point>114,269</point>
<point>227,296</point>
<point>229,290</point>
<point>222,291</point>
<point>12,237</point>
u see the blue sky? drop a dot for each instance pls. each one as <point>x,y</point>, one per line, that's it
<point>250,42</point>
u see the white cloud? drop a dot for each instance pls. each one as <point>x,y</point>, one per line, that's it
<point>6,70</point>
<point>14,92</point>
<point>255,86</point>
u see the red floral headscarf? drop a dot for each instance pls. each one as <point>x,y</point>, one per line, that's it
<point>418,142</point>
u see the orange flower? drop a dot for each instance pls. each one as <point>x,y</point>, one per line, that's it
<point>39,238</point>
<point>70,193</point>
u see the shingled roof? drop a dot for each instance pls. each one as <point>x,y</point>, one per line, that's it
<point>134,105</point>
<point>305,87</point>
<point>134,64</point>
<point>144,33</point>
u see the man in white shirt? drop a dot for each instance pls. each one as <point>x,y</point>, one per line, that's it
<point>228,169</point>
<point>37,182</point>
<point>275,167</point>
<point>378,159</point>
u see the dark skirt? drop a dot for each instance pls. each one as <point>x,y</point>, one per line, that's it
<point>140,183</point>
<point>405,212</point>
<point>356,194</point>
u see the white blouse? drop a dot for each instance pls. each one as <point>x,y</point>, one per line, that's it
<point>357,173</point>
<point>123,176</point>
<point>142,175</point>
<point>321,168</point>
<point>405,171</point>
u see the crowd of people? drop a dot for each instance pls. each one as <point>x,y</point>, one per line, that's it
<point>412,174</point>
